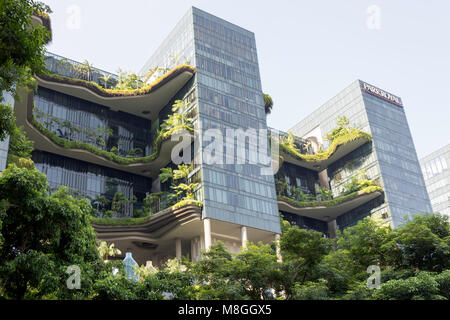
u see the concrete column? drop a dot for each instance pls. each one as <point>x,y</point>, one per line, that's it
<point>244,237</point>
<point>178,248</point>
<point>332,229</point>
<point>207,233</point>
<point>278,248</point>
<point>195,249</point>
<point>323,179</point>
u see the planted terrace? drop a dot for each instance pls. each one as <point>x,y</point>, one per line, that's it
<point>343,140</point>
<point>325,206</point>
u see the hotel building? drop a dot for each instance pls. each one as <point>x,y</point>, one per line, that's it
<point>110,145</point>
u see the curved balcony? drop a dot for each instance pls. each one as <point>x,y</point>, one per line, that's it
<point>330,209</point>
<point>46,141</point>
<point>339,148</point>
<point>149,236</point>
<point>146,102</point>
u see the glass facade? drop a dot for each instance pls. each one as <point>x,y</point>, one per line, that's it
<point>306,222</point>
<point>79,120</point>
<point>91,180</point>
<point>435,168</point>
<point>390,159</point>
<point>228,96</point>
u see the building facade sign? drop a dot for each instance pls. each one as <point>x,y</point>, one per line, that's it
<point>381,94</point>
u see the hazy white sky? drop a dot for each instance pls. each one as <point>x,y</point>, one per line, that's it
<point>308,50</point>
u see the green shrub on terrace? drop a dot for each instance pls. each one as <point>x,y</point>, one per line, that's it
<point>111,155</point>
<point>330,203</point>
<point>351,135</point>
<point>95,87</point>
<point>136,221</point>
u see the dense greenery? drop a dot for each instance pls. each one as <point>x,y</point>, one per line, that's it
<point>41,234</point>
<point>172,124</point>
<point>355,186</point>
<point>21,52</point>
<point>330,202</point>
<point>20,147</point>
<point>339,136</point>
<point>268,103</point>
<point>124,91</point>
<point>352,135</point>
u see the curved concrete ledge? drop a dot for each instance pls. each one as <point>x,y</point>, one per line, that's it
<point>328,213</point>
<point>341,151</point>
<point>152,229</point>
<point>24,115</point>
<point>146,102</point>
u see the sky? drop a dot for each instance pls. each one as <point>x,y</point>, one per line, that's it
<point>308,51</point>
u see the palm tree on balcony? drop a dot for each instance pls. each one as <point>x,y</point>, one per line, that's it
<point>106,251</point>
<point>87,69</point>
<point>105,78</point>
<point>150,73</point>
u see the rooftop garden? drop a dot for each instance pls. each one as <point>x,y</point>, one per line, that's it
<point>339,136</point>
<point>63,70</point>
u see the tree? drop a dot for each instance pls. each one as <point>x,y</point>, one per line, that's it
<point>422,243</point>
<point>19,145</point>
<point>7,120</point>
<point>105,78</point>
<point>268,103</point>
<point>21,43</point>
<point>364,243</point>
<point>302,251</point>
<point>212,274</point>
<point>106,251</point>
<point>341,129</point>
<point>43,234</point>
<point>21,52</point>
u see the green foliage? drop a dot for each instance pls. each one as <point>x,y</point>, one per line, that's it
<point>302,251</point>
<point>108,155</point>
<point>422,243</point>
<point>7,120</point>
<point>342,129</point>
<point>325,194</point>
<point>21,43</point>
<point>247,275</point>
<point>42,234</point>
<point>108,220</point>
<point>268,103</point>
<point>311,290</point>
<point>346,136</point>
<point>19,145</point>
<point>96,88</point>
<point>281,186</point>
<point>421,287</point>
<point>329,203</point>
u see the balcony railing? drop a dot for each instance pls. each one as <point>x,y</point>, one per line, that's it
<point>77,70</point>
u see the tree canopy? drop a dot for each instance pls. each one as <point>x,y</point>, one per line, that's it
<point>21,52</point>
